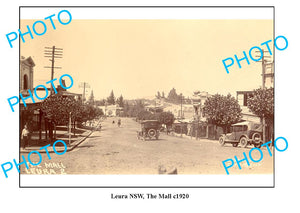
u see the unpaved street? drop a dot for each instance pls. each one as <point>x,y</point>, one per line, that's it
<point>115,150</point>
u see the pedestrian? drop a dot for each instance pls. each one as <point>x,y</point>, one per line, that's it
<point>25,136</point>
<point>119,122</point>
<point>113,121</point>
<point>189,127</point>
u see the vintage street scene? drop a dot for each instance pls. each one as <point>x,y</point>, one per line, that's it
<point>147,97</point>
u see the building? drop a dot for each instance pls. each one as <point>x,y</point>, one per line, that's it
<point>268,75</point>
<point>26,75</point>
<point>30,112</point>
<point>184,111</point>
<point>198,100</point>
<point>242,98</point>
<point>32,115</point>
<point>111,110</point>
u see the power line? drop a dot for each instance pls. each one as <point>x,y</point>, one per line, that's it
<point>53,53</point>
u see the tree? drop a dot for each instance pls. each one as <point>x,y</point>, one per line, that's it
<point>126,109</point>
<point>163,94</point>
<point>101,102</point>
<point>158,96</point>
<point>173,97</point>
<point>145,115</point>
<point>222,110</point>
<point>132,109</point>
<point>120,101</point>
<point>262,105</point>
<point>166,118</point>
<point>91,98</point>
<point>56,109</point>
<point>90,112</point>
<point>111,100</point>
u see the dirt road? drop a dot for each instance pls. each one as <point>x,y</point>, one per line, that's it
<point>116,150</point>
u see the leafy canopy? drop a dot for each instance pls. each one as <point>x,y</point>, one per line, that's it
<point>262,103</point>
<point>222,110</point>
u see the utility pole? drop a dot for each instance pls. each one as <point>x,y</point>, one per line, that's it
<point>181,105</point>
<point>83,91</point>
<point>264,65</point>
<point>70,127</point>
<point>84,85</point>
<point>53,53</point>
<point>181,115</point>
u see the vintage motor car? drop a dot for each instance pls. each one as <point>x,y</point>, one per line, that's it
<point>149,129</point>
<point>243,133</point>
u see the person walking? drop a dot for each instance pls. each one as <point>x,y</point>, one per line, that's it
<point>25,136</point>
<point>119,122</point>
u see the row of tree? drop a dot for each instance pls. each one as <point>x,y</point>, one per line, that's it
<point>111,100</point>
<point>57,110</point>
<point>133,109</point>
<point>166,118</point>
<point>224,111</point>
<point>220,110</point>
<point>173,97</point>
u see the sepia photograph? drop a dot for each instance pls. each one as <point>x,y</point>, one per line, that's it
<point>154,95</point>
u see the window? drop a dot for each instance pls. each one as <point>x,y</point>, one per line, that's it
<point>240,128</point>
<point>245,99</point>
<point>25,82</point>
<point>246,96</point>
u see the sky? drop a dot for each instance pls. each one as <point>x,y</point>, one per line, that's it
<point>137,58</point>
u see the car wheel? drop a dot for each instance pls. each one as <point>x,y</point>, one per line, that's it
<point>234,144</point>
<point>256,137</point>
<point>243,142</point>
<point>152,133</point>
<point>222,141</point>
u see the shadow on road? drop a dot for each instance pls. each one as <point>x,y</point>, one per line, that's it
<point>95,136</point>
<point>147,140</point>
<point>85,146</point>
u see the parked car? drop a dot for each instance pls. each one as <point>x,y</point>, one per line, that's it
<point>243,133</point>
<point>149,129</point>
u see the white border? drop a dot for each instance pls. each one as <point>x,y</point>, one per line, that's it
<point>152,13</point>
<point>149,180</point>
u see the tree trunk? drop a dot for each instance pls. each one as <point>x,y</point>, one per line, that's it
<point>224,129</point>
<point>74,128</point>
<point>264,129</point>
<point>40,125</point>
<point>50,132</point>
<point>54,131</point>
<point>46,129</point>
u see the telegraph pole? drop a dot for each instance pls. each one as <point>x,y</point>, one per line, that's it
<point>53,53</point>
<point>264,65</point>
<point>84,85</point>
<point>181,105</point>
<point>181,117</point>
